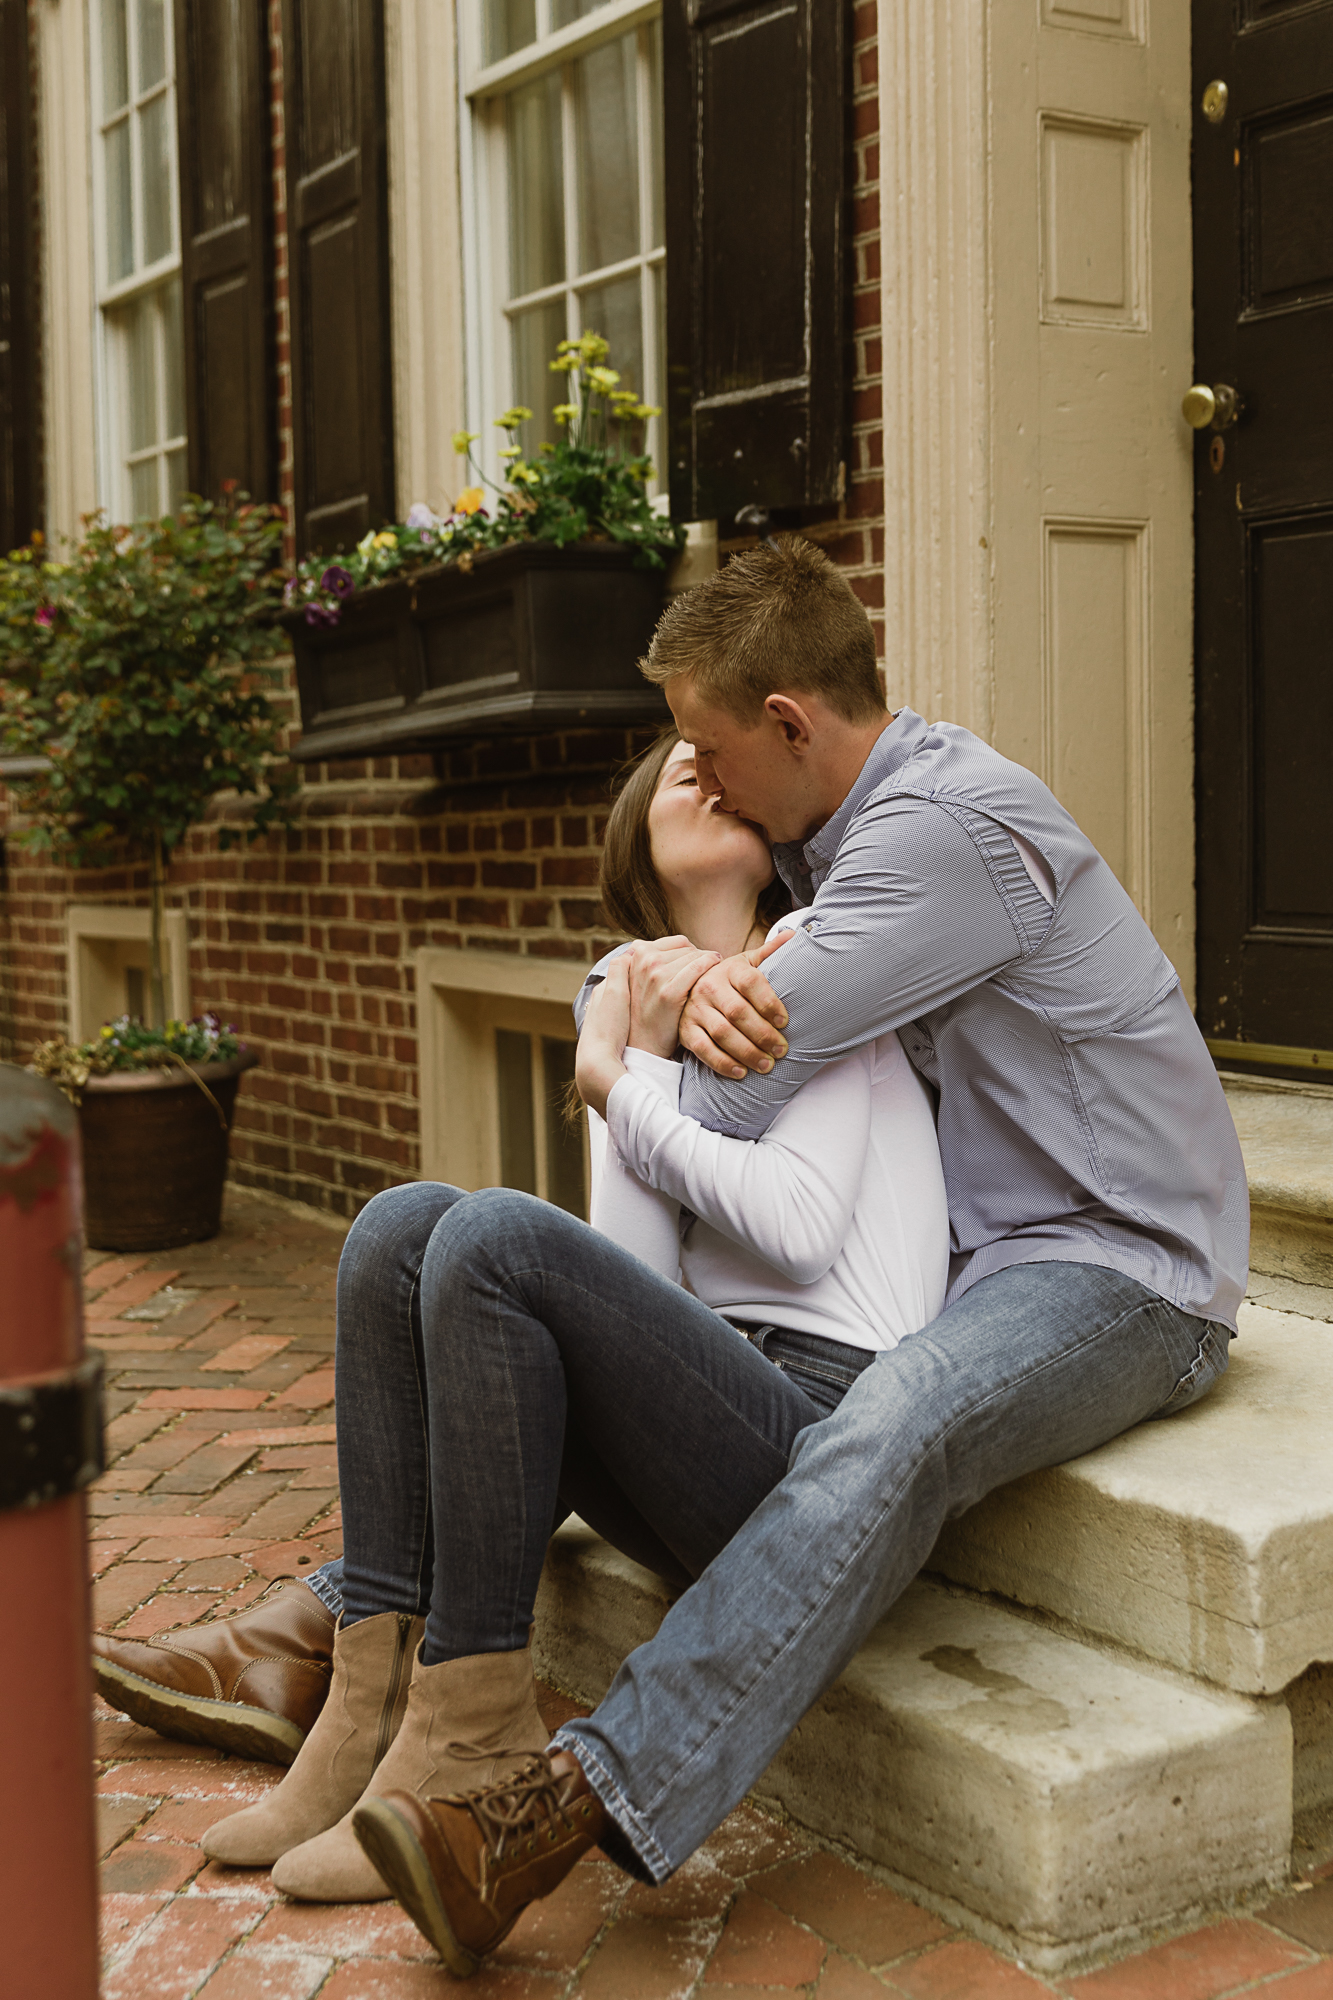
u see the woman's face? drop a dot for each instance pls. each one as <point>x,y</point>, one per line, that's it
<point>697,846</point>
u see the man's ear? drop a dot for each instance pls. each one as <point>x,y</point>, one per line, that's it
<point>795,722</point>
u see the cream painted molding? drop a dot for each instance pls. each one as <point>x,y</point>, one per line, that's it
<point>425,249</point>
<point>67,265</point>
<point>936,295</point>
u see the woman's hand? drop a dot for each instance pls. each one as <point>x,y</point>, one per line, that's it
<point>661,975</point>
<point>597,1066</point>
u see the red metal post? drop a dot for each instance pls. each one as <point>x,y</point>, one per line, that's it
<point>48,1854</point>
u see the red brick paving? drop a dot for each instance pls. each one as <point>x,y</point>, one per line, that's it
<point>216,1487</point>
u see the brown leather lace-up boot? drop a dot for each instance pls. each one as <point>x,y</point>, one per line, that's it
<point>253,1684</point>
<point>465,1867</point>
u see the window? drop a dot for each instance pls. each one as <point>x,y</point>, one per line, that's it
<point>497,1043</point>
<point>567,202</point>
<point>138,258</point>
<point>110,956</point>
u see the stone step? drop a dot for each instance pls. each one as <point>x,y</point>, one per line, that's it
<point>1286,1135</point>
<point>1048,1795</point>
<point>1204,1542</point>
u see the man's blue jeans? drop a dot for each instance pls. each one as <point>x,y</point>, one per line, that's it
<point>1033,1366</point>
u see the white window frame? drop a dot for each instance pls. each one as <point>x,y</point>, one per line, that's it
<point>110,362</point>
<point>462,997</point>
<point>482,89</point>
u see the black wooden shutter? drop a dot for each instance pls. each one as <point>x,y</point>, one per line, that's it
<point>337,219</point>
<point>755,230</point>
<point>20,428</point>
<point>223,123</point>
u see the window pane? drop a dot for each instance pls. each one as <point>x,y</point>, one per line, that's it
<point>119,214</point>
<point>613,311</point>
<point>518,1143</point>
<point>173,360</point>
<point>564,1139</point>
<point>144,503</point>
<point>176,480</point>
<point>565,11</point>
<point>155,146</point>
<point>655,163</point>
<point>605,97</point>
<point>509,25</point>
<point>535,335</point>
<point>137,344</point>
<point>115,57</point>
<point>152,43</point>
<point>536,188</point>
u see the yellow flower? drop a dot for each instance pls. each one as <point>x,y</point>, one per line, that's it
<point>564,364</point>
<point>469,501</point>
<point>511,419</point>
<point>462,440</point>
<point>512,451</point>
<point>527,473</point>
<point>604,379</point>
<point>565,413</point>
<point>385,541</point>
<point>593,348</point>
<point>644,410</point>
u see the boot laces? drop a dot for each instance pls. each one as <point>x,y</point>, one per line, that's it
<point>517,1805</point>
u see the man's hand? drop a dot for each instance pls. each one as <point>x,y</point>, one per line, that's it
<point>733,1016</point>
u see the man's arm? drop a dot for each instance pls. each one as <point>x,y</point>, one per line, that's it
<point>907,920</point>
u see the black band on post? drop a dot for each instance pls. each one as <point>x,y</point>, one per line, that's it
<point>51,1436</point>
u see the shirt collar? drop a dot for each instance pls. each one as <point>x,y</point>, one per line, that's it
<point>810,863</point>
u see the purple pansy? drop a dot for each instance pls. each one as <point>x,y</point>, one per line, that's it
<point>338,580</point>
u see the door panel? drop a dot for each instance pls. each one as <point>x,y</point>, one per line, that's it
<point>1090,455</point>
<point>1263,286</point>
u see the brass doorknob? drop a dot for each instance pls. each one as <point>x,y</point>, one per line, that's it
<point>1218,406</point>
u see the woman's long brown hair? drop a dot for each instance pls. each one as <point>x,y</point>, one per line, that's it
<point>632,895</point>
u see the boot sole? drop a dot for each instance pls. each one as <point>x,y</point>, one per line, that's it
<point>394,1850</point>
<point>193,1718</point>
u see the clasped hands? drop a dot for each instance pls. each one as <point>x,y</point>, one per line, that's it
<point>668,994</point>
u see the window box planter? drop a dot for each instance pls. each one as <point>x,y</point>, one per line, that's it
<point>532,637</point>
<point>155,1153</point>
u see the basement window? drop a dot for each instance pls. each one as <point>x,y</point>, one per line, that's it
<point>110,959</point>
<point>497,1042</point>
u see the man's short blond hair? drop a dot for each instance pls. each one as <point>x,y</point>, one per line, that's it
<point>779,618</point>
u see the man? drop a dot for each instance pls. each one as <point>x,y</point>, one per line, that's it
<point>1098,1213</point>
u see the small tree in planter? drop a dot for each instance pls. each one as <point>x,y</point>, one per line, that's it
<point>137,673</point>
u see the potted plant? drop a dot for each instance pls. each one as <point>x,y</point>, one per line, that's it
<point>135,678</point>
<point>528,607</point>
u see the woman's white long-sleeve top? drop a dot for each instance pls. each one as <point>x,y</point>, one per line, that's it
<point>835,1222</point>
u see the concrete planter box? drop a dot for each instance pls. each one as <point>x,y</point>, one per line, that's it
<point>531,637</point>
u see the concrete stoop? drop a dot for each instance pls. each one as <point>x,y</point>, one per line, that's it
<point>1286,1135</point>
<point>1110,1748</point>
<point>1049,1796</point>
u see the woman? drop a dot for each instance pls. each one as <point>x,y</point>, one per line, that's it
<point>500,1363</point>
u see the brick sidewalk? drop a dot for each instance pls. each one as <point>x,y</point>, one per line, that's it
<point>222,1476</point>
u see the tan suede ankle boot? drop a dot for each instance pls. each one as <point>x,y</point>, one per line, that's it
<point>486,1702</point>
<point>372,1663</point>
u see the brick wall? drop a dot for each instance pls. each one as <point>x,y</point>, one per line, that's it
<point>303,941</point>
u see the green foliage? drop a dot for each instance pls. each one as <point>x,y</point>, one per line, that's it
<point>591,485</point>
<point>128,1045</point>
<point>139,669</point>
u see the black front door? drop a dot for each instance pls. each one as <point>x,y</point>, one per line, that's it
<point>1263,304</point>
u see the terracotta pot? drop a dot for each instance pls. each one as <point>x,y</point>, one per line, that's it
<point>155,1154</point>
